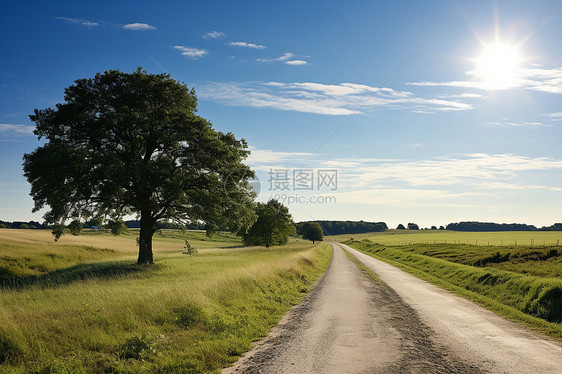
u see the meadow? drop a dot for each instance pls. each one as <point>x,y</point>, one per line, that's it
<point>82,305</point>
<point>522,282</point>
<point>497,238</point>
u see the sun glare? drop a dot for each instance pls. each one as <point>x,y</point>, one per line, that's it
<point>498,66</point>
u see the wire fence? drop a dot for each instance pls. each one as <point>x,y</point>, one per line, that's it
<point>480,242</point>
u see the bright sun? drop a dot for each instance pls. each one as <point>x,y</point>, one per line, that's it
<point>498,66</point>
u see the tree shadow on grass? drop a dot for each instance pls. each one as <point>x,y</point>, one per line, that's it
<point>76,273</point>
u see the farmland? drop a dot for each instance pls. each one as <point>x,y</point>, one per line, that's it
<point>522,282</point>
<point>81,305</point>
<point>499,238</point>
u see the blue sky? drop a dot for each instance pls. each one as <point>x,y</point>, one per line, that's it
<point>391,97</point>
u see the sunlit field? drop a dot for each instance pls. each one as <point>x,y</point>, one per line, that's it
<point>82,305</point>
<point>499,238</point>
<point>523,282</point>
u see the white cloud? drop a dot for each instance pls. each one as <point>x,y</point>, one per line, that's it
<point>16,129</point>
<point>544,80</point>
<point>401,197</point>
<point>307,97</point>
<point>213,35</point>
<point>554,116</point>
<point>284,57</point>
<point>268,157</point>
<point>189,52</point>
<point>296,62</point>
<point>80,21</point>
<point>139,27</point>
<point>465,170</point>
<point>247,45</point>
<point>508,123</point>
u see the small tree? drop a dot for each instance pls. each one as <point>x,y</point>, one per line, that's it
<point>272,227</point>
<point>312,231</point>
<point>413,226</point>
<point>75,227</point>
<point>117,227</point>
<point>400,227</point>
<point>188,249</point>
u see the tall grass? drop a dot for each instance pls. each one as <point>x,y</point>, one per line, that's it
<point>188,314</point>
<point>534,296</point>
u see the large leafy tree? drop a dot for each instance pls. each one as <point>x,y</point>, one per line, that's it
<point>273,225</point>
<point>312,231</point>
<point>131,143</point>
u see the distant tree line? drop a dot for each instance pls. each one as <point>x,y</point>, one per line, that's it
<point>347,227</point>
<point>490,226</point>
<point>22,225</point>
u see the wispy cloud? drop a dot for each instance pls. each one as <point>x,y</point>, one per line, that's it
<point>139,27</point>
<point>213,35</point>
<point>554,116</point>
<point>508,123</point>
<point>79,21</point>
<point>464,170</point>
<point>473,171</point>
<point>16,129</point>
<point>536,79</point>
<point>190,52</point>
<point>307,97</point>
<point>296,62</point>
<point>246,45</point>
<point>285,57</point>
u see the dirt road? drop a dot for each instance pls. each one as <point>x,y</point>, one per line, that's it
<point>469,331</point>
<point>351,324</point>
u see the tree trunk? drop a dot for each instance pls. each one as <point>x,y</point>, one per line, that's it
<point>145,239</point>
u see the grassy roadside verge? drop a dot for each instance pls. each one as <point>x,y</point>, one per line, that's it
<point>362,267</point>
<point>186,315</point>
<point>518,297</point>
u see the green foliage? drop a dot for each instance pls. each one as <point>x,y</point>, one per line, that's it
<point>117,226</point>
<point>312,231</point>
<point>125,143</point>
<point>134,347</point>
<point>75,227</point>
<point>272,227</point>
<point>57,230</point>
<point>2,226</point>
<point>188,249</point>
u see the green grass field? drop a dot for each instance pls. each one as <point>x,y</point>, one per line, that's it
<point>520,282</point>
<point>499,238</point>
<point>82,306</point>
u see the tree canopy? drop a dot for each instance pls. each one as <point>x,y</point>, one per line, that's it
<point>273,225</point>
<point>312,231</point>
<point>131,143</point>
